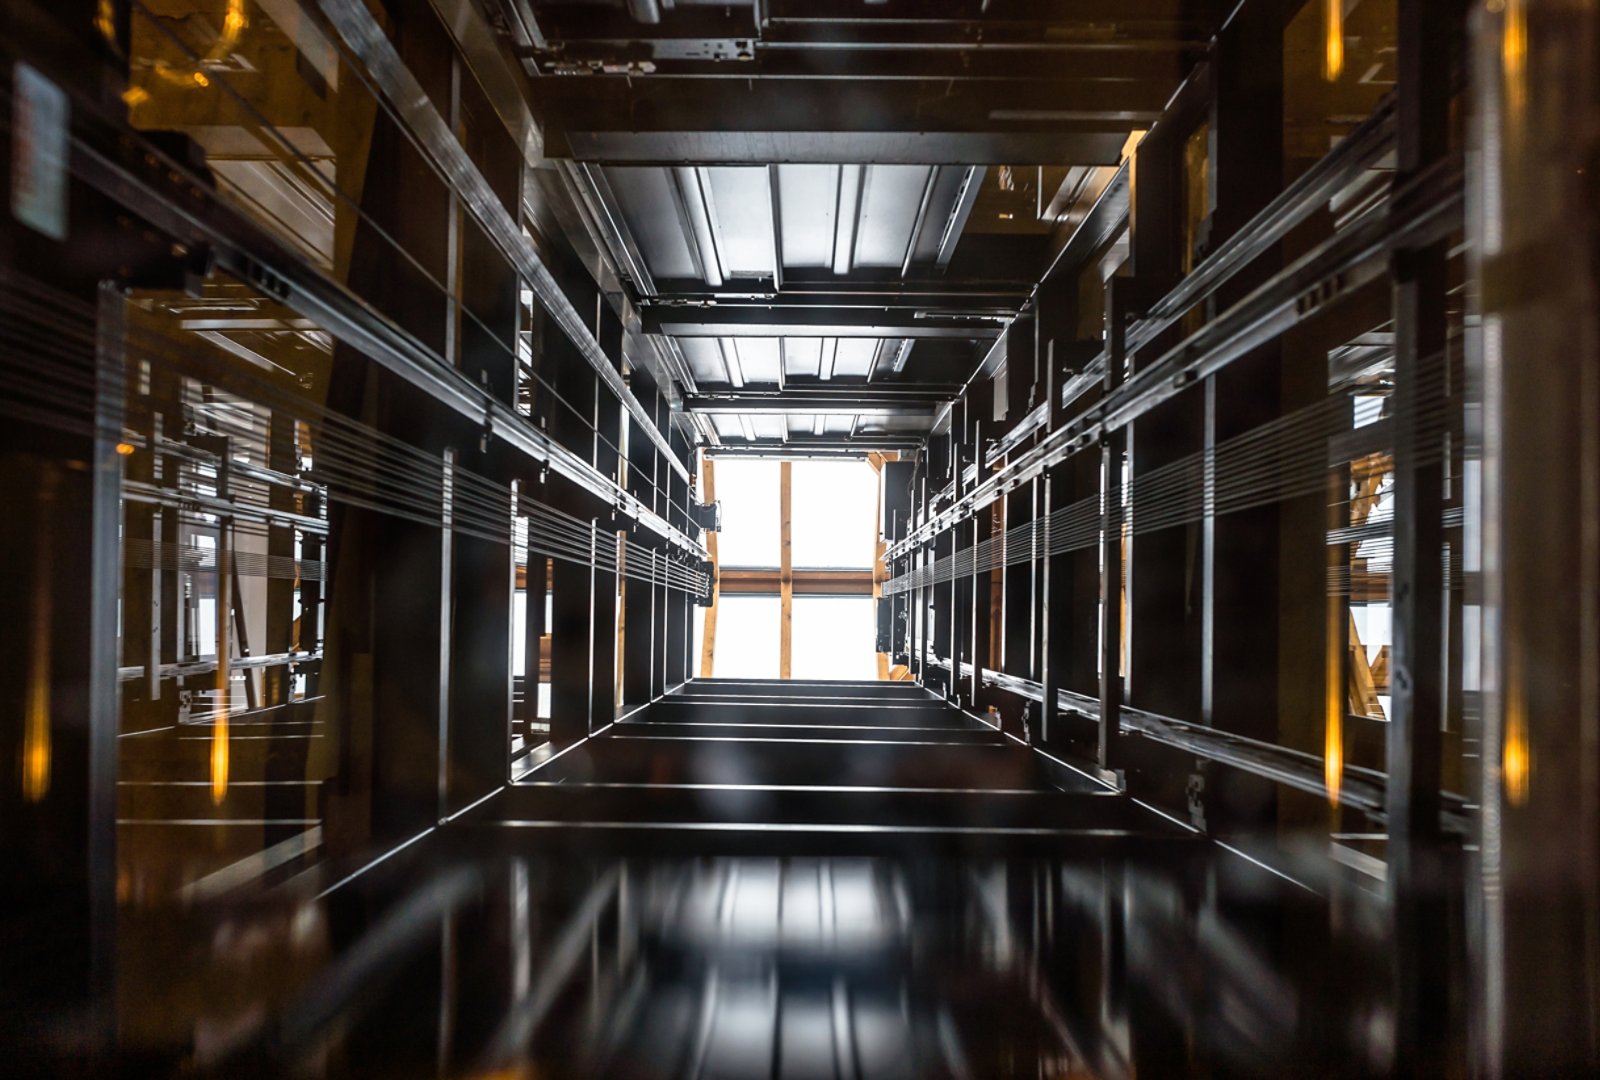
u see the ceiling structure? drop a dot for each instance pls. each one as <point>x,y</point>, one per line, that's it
<point>825,213</point>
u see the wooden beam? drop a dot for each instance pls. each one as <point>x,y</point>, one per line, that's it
<point>1363,688</point>
<point>755,581</point>
<point>708,637</point>
<point>786,571</point>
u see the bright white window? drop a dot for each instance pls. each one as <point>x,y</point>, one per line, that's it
<point>834,514</point>
<point>835,637</point>
<point>747,638</point>
<point>749,494</point>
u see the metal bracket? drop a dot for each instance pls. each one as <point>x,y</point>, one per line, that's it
<point>706,516</point>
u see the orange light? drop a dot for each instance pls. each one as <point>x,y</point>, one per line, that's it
<point>200,79</point>
<point>1333,39</point>
<point>124,448</point>
<point>135,96</point>
<point>36,731</point>
<point>1516,763</point>
<point>1336,646</point>
<point>1514,53</point>
<point>1516,757</point>
<point>1333,757</point>
<point>219,758</point>
<point>105,21</point>
<point>36,717</point>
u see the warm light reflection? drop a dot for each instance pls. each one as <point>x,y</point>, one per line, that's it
<point>36,718</point>
<point>219,757</point>
<point>1333,756</point>
<point>1333,39</point>
<point>125,449</point>
<point>36,730</point>
<point>1333,693</point>
<point>1514,52</point>
<point>234,23</point>
<point>1516,759</point>
<point>105,20</point>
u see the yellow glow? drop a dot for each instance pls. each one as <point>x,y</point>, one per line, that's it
<point>105,20</point>
<point>1516,762</point>
<point>1516,758</point>
<point>219,758</point>
<point>1336,644</point>
<point>1333,39</point>
<point>234,23</point>
<point>36,729</point>
<point>124,448</point>
<point>1333,757</point>
<point>36,716</point>
<point>1514,52</point>
<point>135,96</point>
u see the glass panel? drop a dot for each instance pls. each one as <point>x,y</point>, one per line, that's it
<point>835,514</point>
<point>835,637</point>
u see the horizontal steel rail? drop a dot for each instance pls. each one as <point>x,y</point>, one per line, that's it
<point>1425,209</point>
<point>206,667</point>
<point>122,165</point>
<point>152,495</point>
<point>1360,788</point>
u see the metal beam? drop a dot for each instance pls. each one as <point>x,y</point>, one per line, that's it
<point>1090,144</point>
<point>878,400</point>
<point>807,446</point>
<point>728,320</point>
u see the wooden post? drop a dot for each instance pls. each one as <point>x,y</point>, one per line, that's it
<point>786,572</point>
<point>708,639</point>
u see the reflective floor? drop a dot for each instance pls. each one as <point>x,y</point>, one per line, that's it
<point>756,967</point>
<point>840,882</point>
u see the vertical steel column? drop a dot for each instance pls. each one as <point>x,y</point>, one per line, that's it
<point>961,551</point>
<point>1163,625</point>
<point>1113,450</point>
<point>1537,219</point>
<point>941,638</point>
<point>1416,659</point>
<point>982,530</point>
<point>1240,555</point>
<point>483,579</point>
<point>59,707</point>
<point>282,456</point>
<point>981,424</point>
